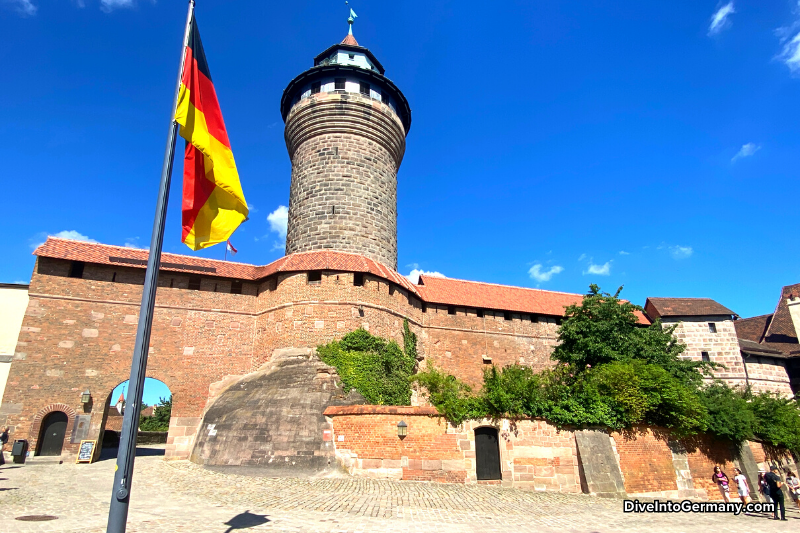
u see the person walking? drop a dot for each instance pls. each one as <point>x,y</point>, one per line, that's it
<point>3,441</point>
<point>775,492</point>
<point>763,487</point>
<point>793,484</point>
<point>721,479</point>
<point>741,486</point>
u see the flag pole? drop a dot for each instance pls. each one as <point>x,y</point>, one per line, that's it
<point>123,474</point>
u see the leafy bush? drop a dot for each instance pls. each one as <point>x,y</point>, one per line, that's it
<point>377,369</point>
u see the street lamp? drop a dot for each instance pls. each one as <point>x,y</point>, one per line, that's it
<point>402,429</point>
<point>86,397</point>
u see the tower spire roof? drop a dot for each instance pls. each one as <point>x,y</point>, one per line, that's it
<point>349,39</point>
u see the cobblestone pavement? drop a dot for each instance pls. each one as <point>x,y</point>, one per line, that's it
<point>181,496</point>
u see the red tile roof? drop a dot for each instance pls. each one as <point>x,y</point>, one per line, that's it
<point>658,307</point>
<point>480,295</point>
<point>434,290</point>
<point>752,329</point>
<point>349,39</point>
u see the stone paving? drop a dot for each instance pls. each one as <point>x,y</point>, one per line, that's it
<point>180,496</point>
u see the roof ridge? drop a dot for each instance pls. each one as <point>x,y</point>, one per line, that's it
<point>501,285</point>
<point>143,250</point>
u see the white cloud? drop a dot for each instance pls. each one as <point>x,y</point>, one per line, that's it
<point>535,272</point>
<point>253,209</point>
<point>109,5</point>
<point>278,221</point>
<point>414,275</point>
<point>23,7</point>
<point>623,252</point>
<point>746,151</point>
<point>790,41</point>
<point>681,252</point>
<point>133,242</point>
<point>720,19</point>
<point>71,234</point>
<point>599,270</point>
<point>582,257</point>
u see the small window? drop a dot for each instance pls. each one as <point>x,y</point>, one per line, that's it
<point>364,89</point>
<point>424,307</point>
<point>194,283</point>
<point>705,357</point>
<point>316,87</point>
<point>351,56</point>
<point>534,319</point>
<point>236,287</point>
<point>114,278</point>
<point>451,310</point>
<point>338,84</point>
<point>506,315</point>
<point>712,328</point>
<point>358,279</point>
<point>76,269</point>
<point>272,283</point>
<point>384,98</point>
<point>480,313</point>
<point>315,277</point>
<point>391,289</point>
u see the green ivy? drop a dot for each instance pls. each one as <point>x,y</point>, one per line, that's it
<point>376,368</point>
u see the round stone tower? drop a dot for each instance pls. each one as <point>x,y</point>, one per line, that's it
<point>346,125</point>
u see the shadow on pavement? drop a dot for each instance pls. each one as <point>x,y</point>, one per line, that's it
<point>245,520</point>
<point>111,453</point>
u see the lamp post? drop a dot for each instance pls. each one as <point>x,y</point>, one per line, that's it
<point>402,429</point>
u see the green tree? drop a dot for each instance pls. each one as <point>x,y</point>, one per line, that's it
<point>160,419</point>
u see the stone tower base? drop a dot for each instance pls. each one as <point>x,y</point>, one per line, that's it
<point>272,419</point>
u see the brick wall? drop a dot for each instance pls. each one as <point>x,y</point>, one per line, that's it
<point>646,463</point>
<point>533,454</point>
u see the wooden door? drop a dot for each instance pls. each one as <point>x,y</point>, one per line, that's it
<point>487,454</point>
<point>54,428</point>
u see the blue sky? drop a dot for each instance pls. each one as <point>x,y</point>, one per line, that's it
<point>554,144</point>
<point>154,390</point>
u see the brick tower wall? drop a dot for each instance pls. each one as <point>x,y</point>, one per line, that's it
<point>345,151</point>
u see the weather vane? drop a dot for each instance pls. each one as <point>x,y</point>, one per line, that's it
<point>351,18</point>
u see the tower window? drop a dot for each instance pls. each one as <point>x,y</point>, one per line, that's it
<point>712,328</point>
<point>705,357</point>
<point>316,87</point>
<point>194,283</point>
<point>76,269</point>
<point>364,88</point>
<point>506,315</point>
<point>534,319</point>
<point>451,310</point>
<point>480,313</point>
<point>236,287</point>
<point>384,98</point>
<point>114,278</point>
<point>338,84</point>
<point>315,277</point>
<point>351,56</point>
<point>424,307</point>
<point>391,289</point>
<point>358,279</point>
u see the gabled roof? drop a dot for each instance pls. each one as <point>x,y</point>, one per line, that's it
<point>478,295</point>
<point>673,307</point>
<point>775,331</point>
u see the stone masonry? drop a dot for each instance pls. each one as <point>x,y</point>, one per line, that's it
<point>345,150</point>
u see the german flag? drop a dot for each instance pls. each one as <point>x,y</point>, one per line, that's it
<point>213,201</point>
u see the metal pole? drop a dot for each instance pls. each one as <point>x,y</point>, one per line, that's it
<point>123,475</point>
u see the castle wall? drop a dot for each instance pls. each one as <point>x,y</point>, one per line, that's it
<point>78,334</point>
<point>768,374</point>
